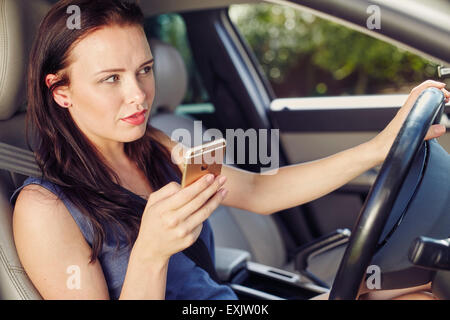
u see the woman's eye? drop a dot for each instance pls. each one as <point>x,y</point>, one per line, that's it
<point>114,78</point>
<point>146,70</point>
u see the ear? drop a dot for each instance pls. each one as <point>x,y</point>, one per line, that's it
<point>61,95</point>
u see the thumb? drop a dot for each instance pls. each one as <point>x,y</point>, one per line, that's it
<point>435,131</point>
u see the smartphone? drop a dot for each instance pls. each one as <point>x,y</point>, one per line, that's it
<point>203,159</point>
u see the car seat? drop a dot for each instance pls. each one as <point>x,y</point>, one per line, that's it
<point>18,25</point>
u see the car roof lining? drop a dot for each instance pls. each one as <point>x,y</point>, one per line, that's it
<point>155,7</point>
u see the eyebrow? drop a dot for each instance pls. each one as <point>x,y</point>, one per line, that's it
<point>122,70</point>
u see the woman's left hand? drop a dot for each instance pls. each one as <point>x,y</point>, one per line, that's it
<point>385,138</point>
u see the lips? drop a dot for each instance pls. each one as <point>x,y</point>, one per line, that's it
<point>136,118</point>
<point>135,115</point>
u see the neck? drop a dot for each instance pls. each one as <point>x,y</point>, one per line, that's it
<point>116,158</point>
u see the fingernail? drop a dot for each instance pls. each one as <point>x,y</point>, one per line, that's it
<point>209,178</point>
<point>222,180</point>
<point>223,193</point>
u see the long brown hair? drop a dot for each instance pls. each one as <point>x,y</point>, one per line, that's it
<point>65,155</point>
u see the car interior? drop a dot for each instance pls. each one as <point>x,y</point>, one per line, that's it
<point>259,256</point>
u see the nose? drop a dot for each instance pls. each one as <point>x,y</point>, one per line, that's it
<point>135,93</point>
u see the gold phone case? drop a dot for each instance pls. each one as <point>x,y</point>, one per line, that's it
<point>203,159</point>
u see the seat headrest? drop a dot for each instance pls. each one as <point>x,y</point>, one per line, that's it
<point>170,77</point>
<point>19,23</point>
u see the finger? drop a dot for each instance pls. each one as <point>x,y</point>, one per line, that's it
<point>200,199</point>
<point>204,212</point>
<point>190,192</point>
<point>163,193</point>
<point>446,94</point>
<point>424,85</point>
<point>435,131</point>
<point>415,92</point>
<point>429,83</point>
<point>193,235</point>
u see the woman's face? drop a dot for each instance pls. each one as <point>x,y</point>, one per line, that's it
<point>111,77</point>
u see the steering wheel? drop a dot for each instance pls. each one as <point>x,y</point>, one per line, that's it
<point>383,194</point>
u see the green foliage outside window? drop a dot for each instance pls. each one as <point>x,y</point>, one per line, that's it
<point>303,55</point>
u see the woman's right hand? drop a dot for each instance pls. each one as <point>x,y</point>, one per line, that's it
<point>173,217</point>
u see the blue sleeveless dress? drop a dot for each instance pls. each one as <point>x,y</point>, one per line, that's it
<point>185,280</point>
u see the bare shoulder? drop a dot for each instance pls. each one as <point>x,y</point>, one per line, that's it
<point>37,206</point>
<point>49,243</point>
<point>37,198</point>
<point>36,192</point>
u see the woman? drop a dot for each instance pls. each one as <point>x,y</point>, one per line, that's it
<point>85,229</point>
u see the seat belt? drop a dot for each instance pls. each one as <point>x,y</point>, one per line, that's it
<point>18,160</point>
<point>22,161</point>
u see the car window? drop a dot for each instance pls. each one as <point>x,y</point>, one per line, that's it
<point>304,55</point>
<point>171,28</point>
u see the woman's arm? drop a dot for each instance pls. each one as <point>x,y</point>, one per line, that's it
<point>300,183</point>
<point>296,184</point>
<point>144,280</point>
